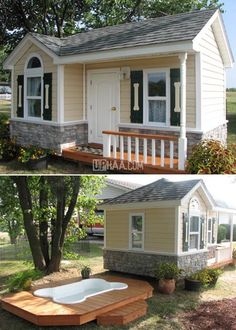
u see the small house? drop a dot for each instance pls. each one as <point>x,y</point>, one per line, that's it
<point>143,91</point>
<point>166,222</point>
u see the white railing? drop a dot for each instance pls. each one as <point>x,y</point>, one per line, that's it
<point>223,253</point>
<point>115,143</point>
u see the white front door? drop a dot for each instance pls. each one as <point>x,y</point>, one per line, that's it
<point>103,103</point>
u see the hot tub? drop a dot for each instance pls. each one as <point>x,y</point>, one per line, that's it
<point>79,291</point>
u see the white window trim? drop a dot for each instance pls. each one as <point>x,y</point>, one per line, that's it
<point>146,98</point>
<point>31,73</point>
<point>130,231</point>
<point>210,231</point>
<point>195,214</point>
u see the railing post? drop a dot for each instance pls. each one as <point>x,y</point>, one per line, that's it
<point>153,152</point>
<point>137,149</point>
<point>145,151</point>
<point>114,147</point>
<point>129,148</point>
<point>106,145</point>
<point>162,153</point>
<point>121,147</point>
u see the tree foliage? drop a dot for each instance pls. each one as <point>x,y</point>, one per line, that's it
<point>11,220</point>
<point>48,204</point>
<point>64,17</point>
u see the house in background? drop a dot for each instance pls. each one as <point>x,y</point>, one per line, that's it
<point>143,91</point>
<point>165,222</point>
<point>112,189</point>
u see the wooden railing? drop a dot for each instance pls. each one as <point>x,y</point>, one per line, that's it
<point>115,143</point>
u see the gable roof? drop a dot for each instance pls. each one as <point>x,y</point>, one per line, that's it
<point>161,190</point>
<point>180,27</point>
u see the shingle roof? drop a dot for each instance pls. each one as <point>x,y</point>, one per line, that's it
<point>124,184</point>
<point>180,27</point>
<point>161,190</point>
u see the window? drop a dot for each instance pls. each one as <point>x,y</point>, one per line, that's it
<point>194,233</point>
<point>34,90</point>
<point>136,231</point>
<point>157,87</point>
<point>209,231</point>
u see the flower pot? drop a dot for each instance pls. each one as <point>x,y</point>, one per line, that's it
<point>38,164</point>
<point>192,285</point>
<point>166,286</point>
<point>85,275</point>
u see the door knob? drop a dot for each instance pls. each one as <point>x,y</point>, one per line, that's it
<point>113,108</point>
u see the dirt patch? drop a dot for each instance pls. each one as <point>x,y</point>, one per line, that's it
<point>212,315</point>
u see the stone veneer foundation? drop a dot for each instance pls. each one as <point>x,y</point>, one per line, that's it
<point>48,136</point>
<point>219,133</point>
<point>144,263</point>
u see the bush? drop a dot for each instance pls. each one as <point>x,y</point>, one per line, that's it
<point>211,157</point>
<point>8,149</point>
<point>4,126</point>
<point>167,271</point>
<point>31,153</point>
<point>22,280</point>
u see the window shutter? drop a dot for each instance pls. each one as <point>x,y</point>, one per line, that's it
<point>213,230</point>
<point>20,96</point>
<point>202,233</point>
<point>136,112</point>
<point>185,232</point>
<point>47,96</point>
<point>174,116</point>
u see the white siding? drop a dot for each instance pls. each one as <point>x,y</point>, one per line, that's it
<point>213,82</point>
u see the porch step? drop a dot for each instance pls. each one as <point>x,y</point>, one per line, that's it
<point>124,314</point>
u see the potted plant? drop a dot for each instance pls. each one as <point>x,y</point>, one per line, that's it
<point>234,256</point>
<point>167,274</point>
<point>35,157</point>
<point>203,278</point>
<point>85,272</point>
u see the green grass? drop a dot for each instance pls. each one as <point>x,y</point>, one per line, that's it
<point>231,116</point>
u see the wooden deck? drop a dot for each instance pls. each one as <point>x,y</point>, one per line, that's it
<point>124,165</point>
<point>113,308</point>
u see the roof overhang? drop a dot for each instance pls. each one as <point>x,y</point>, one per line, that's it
<point>225,210</point>
<point>201,187</point>
<point>217,24</point>
<point>16,54</point>
<point>140,205</point>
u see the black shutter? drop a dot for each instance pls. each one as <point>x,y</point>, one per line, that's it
<point>174,116</point>
<point>185,232</point>
<point>47,110</point>
<point>202,239</point>
<point>213,230</point>
<point>20,107</point>
<point>137,115</point>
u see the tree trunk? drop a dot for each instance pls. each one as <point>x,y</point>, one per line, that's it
<point>31,232</point>
<point>43,222</point>
<point>12,239</point>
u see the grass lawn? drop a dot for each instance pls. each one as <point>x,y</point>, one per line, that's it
<point>164,312</point>
<point>231,116</point>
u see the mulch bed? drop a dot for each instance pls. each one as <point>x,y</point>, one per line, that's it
<point>214,315</point>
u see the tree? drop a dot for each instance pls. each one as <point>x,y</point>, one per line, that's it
<point>48,204</point>
<point>11,220</point>
<point>64,17</point>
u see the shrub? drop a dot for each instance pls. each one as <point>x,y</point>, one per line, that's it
<point>8,149</point>
<point>167,271</point>
<point>211,157</point>
<point>22,280</point>
<point>4,126</point>
<point>234,254</point>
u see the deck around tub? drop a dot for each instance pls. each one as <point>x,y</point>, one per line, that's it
<point>120,307</point>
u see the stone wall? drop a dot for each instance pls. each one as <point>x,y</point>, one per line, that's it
<point>144,263</point>
<point>48,136</point>
<point>219,133</point>
<point>211,252</point>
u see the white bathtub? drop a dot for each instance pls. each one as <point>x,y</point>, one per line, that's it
<point>79,291</point>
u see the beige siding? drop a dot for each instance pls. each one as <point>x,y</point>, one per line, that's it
<point>213,81</point>
<point>152,63</point>
<point>48,67</point>
<point>159,230</point>
<point>73,78</point>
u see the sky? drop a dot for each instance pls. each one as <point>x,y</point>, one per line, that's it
<point>221,187</point>
<point>230,23</point>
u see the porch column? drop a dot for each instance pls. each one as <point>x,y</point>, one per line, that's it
<point>182,138</point>
<point>60,93</point>
<point>231,232</point>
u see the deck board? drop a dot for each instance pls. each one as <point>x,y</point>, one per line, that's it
<point>43,311</point>
<point>88,158</point>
